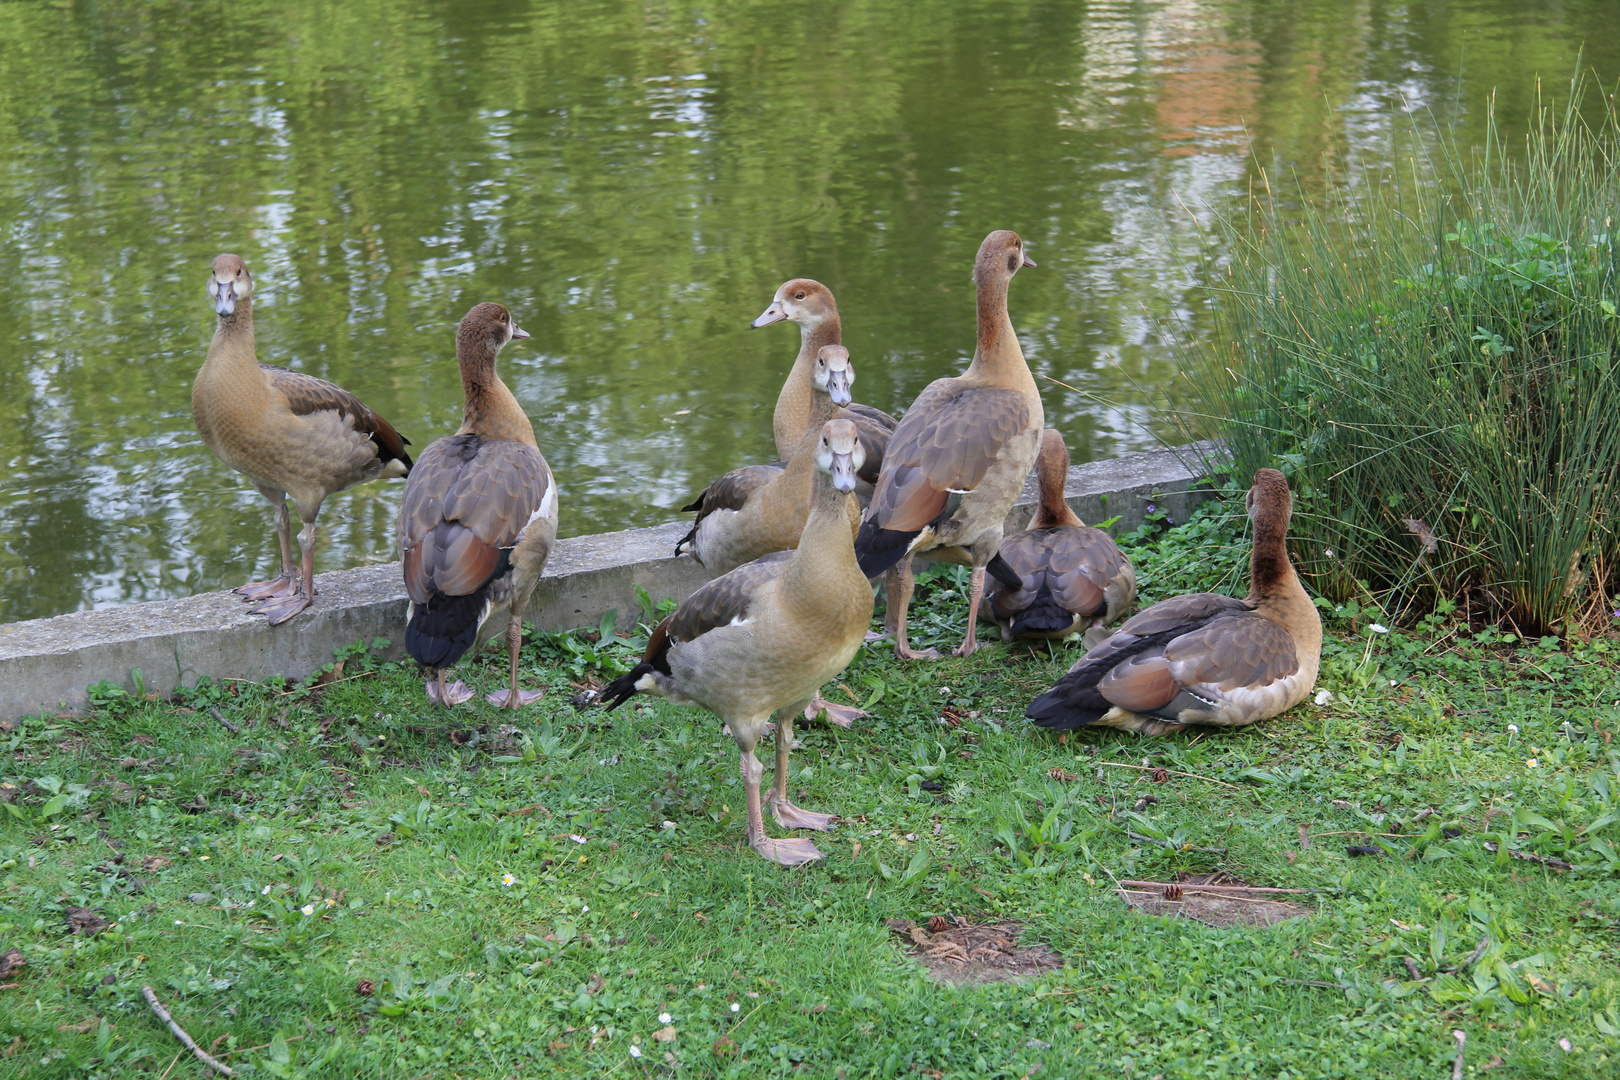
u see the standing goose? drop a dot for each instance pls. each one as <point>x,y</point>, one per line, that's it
<point>765,637</point>
<point>1203,658</point>
<point>772,517</point>
<point>290,433</point>
<point>479,519</point>
<point>959,456</point>
<point>1074,576</point>
<point>811,305</point>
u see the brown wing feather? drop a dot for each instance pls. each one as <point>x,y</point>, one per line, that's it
<point>732,490</point>
<point>306,394</point>
<point>1081,561</point>
<point>946,442</point>
<point>467,500</point>
<point>876,428</point>
<point>727,598</point>
<point>1189,611</point>
<point>1241,649</point>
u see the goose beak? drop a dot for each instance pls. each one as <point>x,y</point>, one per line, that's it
<point>1028,261</point>
<point>518,333</point>
<point>838,387</point>
<point>223,293</point>
<point>773,314</point>
<point>843,472</point>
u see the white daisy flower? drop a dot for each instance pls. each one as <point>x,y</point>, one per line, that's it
<point>635,1051</point>
<point>308,909</point>
<point>1323,697</point>
<point>664,1018</point>
<point>508,880</point>
<point>1378,628</point>
<point>736,1007</point>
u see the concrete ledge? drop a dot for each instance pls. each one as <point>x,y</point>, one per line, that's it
<point>46,664</point>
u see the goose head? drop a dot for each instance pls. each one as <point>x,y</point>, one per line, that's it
<point>488,327</point>
<point>839,453</point>
<point>801,300</point>
<point>1269,504</point>
<point>228,282</point>
<point>1000,257</point>
<point>834,374</point>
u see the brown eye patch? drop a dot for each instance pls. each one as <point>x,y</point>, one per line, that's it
<point>1012,262</point>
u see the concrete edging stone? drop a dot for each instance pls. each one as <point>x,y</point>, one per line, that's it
<point>47,664</point>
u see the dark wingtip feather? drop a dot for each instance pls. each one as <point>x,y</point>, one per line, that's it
<point>442,630</point>
<point>696,504</point>
<point>623,688</point>
<point>1003,572</point>
<point>1043,616</point>
<point>689,538</point>
<point>1049,711</point>
<point>877,549</point>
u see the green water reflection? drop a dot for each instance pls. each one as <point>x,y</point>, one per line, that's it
<point>634,180</point>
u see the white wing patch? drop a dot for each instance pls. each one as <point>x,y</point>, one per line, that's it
<point>548,503</point>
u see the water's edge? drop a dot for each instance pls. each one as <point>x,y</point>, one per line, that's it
<point>46,664</point>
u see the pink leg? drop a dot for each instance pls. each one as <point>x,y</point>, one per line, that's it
<point>785,852</point>
<point>285,585</point>
<point>970,644</point>
<point>448,696</point>
<point>842,715</point>
<point>787,815</point>
<point>281,609</point>
<point>902,648</point>
<point>512,697</point>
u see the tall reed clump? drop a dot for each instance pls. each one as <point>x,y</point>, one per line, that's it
<point>1432,359</point>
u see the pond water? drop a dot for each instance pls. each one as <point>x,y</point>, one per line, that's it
<point>634,181</point>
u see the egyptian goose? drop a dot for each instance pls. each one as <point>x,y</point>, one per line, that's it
<point>290,433</point>
<point>811,305</point>
<point>479,519</point>
<point>1074,576</point>
<point>1203,658</point>
<point>773,515</point>
<point>764,638</point>
<point>959,457</point>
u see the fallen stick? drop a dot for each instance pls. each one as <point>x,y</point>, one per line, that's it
<point>180,1033</point>
<point>1545,860</point>
<point>226,724</point>
<point>1462,1044</point>
<point>1189,887</point>
<point>1479,951</point>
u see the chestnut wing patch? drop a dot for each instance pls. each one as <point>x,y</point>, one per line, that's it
<point>945,443</point>
<point>466,503</point>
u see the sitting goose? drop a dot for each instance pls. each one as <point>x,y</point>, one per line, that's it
<point>772,517</point>
<point>289,433</point>
<point>1075,577</point>
<point>811,305</point>
<point>1203,658</point>
<point>479,519</point>
<point>764,638</point>
<point>959,456</point>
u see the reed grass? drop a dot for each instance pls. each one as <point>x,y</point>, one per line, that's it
<point>1430,355</point>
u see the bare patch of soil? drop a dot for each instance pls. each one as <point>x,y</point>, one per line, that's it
<point>1215,899</point>
<point>961,953</point>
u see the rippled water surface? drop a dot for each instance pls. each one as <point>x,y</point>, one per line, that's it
<point>634,181</point>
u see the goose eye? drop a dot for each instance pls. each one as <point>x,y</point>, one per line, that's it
<point>798,296</point>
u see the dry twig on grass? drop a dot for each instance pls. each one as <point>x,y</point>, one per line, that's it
<point>226,724</point>
<point>180,1033</point>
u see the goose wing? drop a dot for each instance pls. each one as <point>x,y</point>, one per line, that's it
<point>466,505</point>
<point>306,394</point>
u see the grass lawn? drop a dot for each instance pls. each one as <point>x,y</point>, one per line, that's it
<point>356,884</point>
